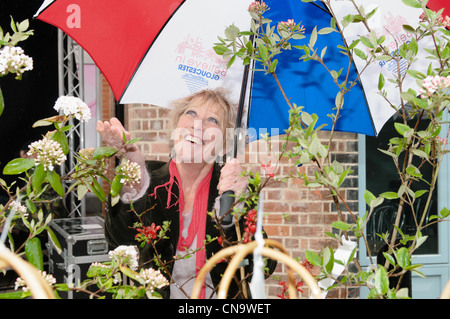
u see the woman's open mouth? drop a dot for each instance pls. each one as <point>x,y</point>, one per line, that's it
<point>193,139</point>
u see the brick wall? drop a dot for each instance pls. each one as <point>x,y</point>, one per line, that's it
<point>295,216</point>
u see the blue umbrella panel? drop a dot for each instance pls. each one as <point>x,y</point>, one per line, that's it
<point>306,83</point>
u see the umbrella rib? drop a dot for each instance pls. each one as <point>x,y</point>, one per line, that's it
<point>42,9</point>
<point>240,109</point>
<point>320,7</point>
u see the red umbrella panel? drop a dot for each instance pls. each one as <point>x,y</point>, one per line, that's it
<point>437,5</point>
<point>153,51</point>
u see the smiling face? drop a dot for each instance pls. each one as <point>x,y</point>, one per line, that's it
<point>198,137</point>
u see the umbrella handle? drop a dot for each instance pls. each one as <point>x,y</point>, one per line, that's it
<point>226,201</point>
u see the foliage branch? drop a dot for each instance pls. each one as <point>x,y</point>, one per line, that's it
<point>410,151</point>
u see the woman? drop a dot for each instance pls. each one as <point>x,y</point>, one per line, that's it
<point>181,191</point>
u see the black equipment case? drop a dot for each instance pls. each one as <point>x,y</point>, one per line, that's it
<point>82,243</point>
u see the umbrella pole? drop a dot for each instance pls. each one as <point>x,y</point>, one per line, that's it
<point>227,198</point>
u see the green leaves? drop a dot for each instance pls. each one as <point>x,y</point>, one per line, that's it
<point>116,187</point>
<point>18,166</point>
<point>412,3</point>
<point>20,33</point>
<point>55,181</point>
<point>403,257</point>
<point>220,49</point>
<point>96,188</point>
<point>371,200</point>
<point>444,213</point>
<point>403,129</point>
<point>33,252</point>
<point>341,225</point>
<point>313,38</point>
<point>104,151</point>
<point>54,240</point>
<point>38,178</point>
<point>263,52</point>
<point>381,82</point>
<point>232,32</point>
<point>381,281</point>
<point>313,258</point>
<point>61,138</point>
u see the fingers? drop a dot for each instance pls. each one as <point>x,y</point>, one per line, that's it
<point>231,179</point>
<point>100,127</point>
<point>112,132</point>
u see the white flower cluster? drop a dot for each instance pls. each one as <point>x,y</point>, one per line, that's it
<point>13,60</point>
<point>127,255</point>
<point>71,105</point>
<point>18,207</point>
<point>21,283</point>
<point>100,265</point>
<point>153,279</point>
<point>131,172</point>
<point>47,152</point>
<point>87,155</point>
<point>433,83</point>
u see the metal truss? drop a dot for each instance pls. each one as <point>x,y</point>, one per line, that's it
<point>71,82</point>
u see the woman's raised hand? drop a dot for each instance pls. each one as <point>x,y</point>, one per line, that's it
<point>112,132</point>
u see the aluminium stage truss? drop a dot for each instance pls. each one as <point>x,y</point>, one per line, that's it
<point>71,82</point>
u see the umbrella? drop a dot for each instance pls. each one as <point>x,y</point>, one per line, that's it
<point>155,51</point>
<point>152,51</point>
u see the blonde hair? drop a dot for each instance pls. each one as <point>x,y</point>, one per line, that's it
<point>217,96</point>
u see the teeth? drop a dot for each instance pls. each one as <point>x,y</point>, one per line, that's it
<point>193,139</point>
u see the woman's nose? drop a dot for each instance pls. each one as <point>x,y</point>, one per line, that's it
<point>198,125</point>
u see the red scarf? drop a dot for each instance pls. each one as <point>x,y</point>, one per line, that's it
<point>198,222</point>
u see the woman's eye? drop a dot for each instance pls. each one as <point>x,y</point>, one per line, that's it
<point>191,112</point>
<point>213,120</point>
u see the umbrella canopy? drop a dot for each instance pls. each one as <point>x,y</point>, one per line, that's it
<point>156,51</point>
<point>152,51</point>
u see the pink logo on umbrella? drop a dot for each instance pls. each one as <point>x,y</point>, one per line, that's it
<point>198,65</point>
<point>395,37</point>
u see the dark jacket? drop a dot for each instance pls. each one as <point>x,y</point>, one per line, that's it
<point>119,219</point>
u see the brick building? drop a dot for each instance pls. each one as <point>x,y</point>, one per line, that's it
<point>295,216</point>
